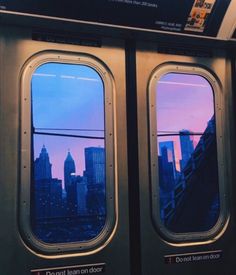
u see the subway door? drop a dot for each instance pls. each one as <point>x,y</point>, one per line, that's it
<point>184,131</point>
<point>63,156</point>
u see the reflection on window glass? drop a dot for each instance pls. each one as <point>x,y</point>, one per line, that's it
<point>68,177</point>
<point>187,153</point>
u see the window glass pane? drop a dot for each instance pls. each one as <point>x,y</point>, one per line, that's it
<point>187,153</point>
<point>68,190</point>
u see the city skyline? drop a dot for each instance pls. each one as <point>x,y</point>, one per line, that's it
<point>78,213</point>
<point>198,177</point>
<point>54,175</point>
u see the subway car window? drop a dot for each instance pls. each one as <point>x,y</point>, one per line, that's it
<point>69,180</point>
<point>186,176</point>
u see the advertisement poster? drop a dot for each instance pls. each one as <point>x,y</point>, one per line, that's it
<point>199,14</point>
<point>199,17</point>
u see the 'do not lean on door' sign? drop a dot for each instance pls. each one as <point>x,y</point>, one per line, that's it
<point>71,270</point>
<point>195,257</point>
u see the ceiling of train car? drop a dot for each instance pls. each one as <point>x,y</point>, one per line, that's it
<point>205,18</point>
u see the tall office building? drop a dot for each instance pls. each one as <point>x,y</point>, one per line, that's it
<point>42,166</point>
<point>95,176</point>
<point>70,185</point>
<point>47,190</point>
<point>187,148</point>
<point>69,170</point>
<point>167,152</point>
<point>95,165</point>
<point>82,195</point>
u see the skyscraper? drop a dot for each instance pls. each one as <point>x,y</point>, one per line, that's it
<point>95,165</point>
<point>42,166</point>
<point>186,145</point>
<point>70,185</point>
<point>167,172</point>
<point>69,169</point>
<point>95,175</point>
<point>47,190</point>
<point>168,154</point>
<point>81,195</point>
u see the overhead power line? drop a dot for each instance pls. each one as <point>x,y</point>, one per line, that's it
<point>178,134</point>
<point>69,129</point>
<point>66,135</point>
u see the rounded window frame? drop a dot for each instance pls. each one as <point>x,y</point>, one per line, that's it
<point>104,237</point>
<point>189,238</point>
